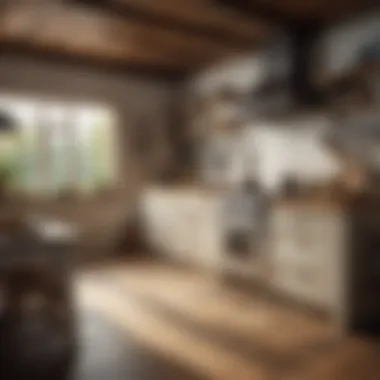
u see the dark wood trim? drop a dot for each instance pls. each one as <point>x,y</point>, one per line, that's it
<point>140,69</point>
<point>276,360</point>
<point>169,23</point>
<point>368,8</point>
<point>260,11</point>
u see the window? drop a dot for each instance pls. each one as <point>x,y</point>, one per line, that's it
<point>61,147</point>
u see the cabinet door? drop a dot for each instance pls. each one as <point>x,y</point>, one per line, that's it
<point>185,226</point>
<point>311,278</point>
<point>302,282</point>
<point>209,243</point>
<point>286,280</point>
<point>282,222</point>
<point>164,224</point>
<point>307,258</point>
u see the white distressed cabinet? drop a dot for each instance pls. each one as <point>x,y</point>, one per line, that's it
<point>322,254</point>
<point>184,224</point>
<point>307,248</point>
<point>327,255</point>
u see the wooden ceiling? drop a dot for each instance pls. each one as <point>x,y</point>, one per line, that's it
<point>285,12</point>
<point>166,36</point>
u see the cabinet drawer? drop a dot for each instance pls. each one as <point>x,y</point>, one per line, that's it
<point>184,225</point>
<point>282,222</point>
<point>284,249</point>
<point>310,283</point>
<point>293,252</point>
<point>325,250</point>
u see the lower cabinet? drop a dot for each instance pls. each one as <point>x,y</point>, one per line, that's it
<point>304,255</point>
<point>184,225</point>
<point>307,259</point>
<point>323,257</point>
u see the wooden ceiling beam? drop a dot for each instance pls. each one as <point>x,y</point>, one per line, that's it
<point>23,35</point>
<point>168,23</point>
<point>85,33</point>
<point>90,63</point>
<point>287,12</point>
<point>352,10</point>
<point>264,12</point>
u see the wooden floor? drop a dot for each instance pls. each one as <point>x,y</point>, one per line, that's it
<point>152,322</point>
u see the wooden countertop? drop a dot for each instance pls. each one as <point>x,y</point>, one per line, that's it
<point>345,201</point>
<point>190,189</point>
<point>310,203</point>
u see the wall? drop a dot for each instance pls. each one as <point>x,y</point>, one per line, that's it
<point>342,43</point>
<point>130,96</point>
<point>339,48</point>
<point>239,73</point>
<point>272,150</point>
<point>283,147</point>
<point>291,148</point>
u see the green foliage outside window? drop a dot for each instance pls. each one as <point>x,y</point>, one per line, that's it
<point>70,156</point>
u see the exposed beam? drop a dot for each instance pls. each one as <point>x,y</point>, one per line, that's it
<point>352,12</point>
<point>260,11</point>
<point>112,67</point>
<point>328,13</point>
<point>98,36</point>
<point>169,23</point>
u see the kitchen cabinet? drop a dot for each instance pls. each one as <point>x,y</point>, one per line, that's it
<point>184,224</point>
<point>324,254</point>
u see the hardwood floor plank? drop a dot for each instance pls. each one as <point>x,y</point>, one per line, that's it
<point>213,306</point>
<point>108,353</point>
<point>216,332</point>
<point>200,355</point>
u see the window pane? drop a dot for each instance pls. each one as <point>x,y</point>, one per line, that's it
<point>61,147</point>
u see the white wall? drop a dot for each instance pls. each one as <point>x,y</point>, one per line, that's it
<point>293,146</point>
<point>341,45</point>
<point>339,49</point>
<point>273,150</point>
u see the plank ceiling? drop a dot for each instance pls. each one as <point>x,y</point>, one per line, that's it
<point>165,36</point>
